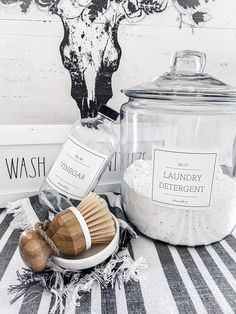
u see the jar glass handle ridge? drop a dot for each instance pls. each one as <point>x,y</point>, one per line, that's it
<point>188,62</point>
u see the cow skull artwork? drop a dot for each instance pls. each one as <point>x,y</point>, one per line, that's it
<point>90,49</point>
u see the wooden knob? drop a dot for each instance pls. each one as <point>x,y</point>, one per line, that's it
<point>34,250</point>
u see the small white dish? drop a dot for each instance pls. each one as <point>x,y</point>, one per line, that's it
<point>94,256</point>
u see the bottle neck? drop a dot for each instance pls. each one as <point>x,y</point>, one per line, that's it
<point>99,118</point>
<point>94,122</point>
<point>104,118</point>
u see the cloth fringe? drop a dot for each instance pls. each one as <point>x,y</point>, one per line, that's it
<point>20,220</point>
<point>70,286</point>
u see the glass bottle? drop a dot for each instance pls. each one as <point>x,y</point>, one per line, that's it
<point>83,158</point>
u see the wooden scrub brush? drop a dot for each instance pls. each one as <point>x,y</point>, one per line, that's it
<point>71,232</point>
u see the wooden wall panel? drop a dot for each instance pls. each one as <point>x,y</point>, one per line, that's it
<point>35,86</point>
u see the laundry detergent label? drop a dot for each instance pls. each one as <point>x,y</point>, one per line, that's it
<point>181,178</point>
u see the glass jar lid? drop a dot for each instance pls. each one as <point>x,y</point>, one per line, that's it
<point>185,79</point>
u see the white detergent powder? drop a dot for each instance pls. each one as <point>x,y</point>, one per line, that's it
<point>179,226</point>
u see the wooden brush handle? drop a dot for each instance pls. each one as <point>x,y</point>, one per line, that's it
<point>34,250</point>
<point>64,233</point>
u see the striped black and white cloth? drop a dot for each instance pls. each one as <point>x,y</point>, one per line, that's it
<point>177,280</point>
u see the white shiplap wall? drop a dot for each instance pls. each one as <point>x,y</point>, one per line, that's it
<point>35,87</point>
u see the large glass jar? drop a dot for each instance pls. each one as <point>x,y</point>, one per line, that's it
<point>178,154</point>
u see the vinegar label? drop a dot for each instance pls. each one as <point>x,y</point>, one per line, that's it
<point>76,169</point>
<point>182,179</point>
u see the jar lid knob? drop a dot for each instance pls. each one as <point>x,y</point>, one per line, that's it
<point>188,62</point>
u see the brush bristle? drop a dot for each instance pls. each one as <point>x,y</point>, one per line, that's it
<point>98,218</point>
